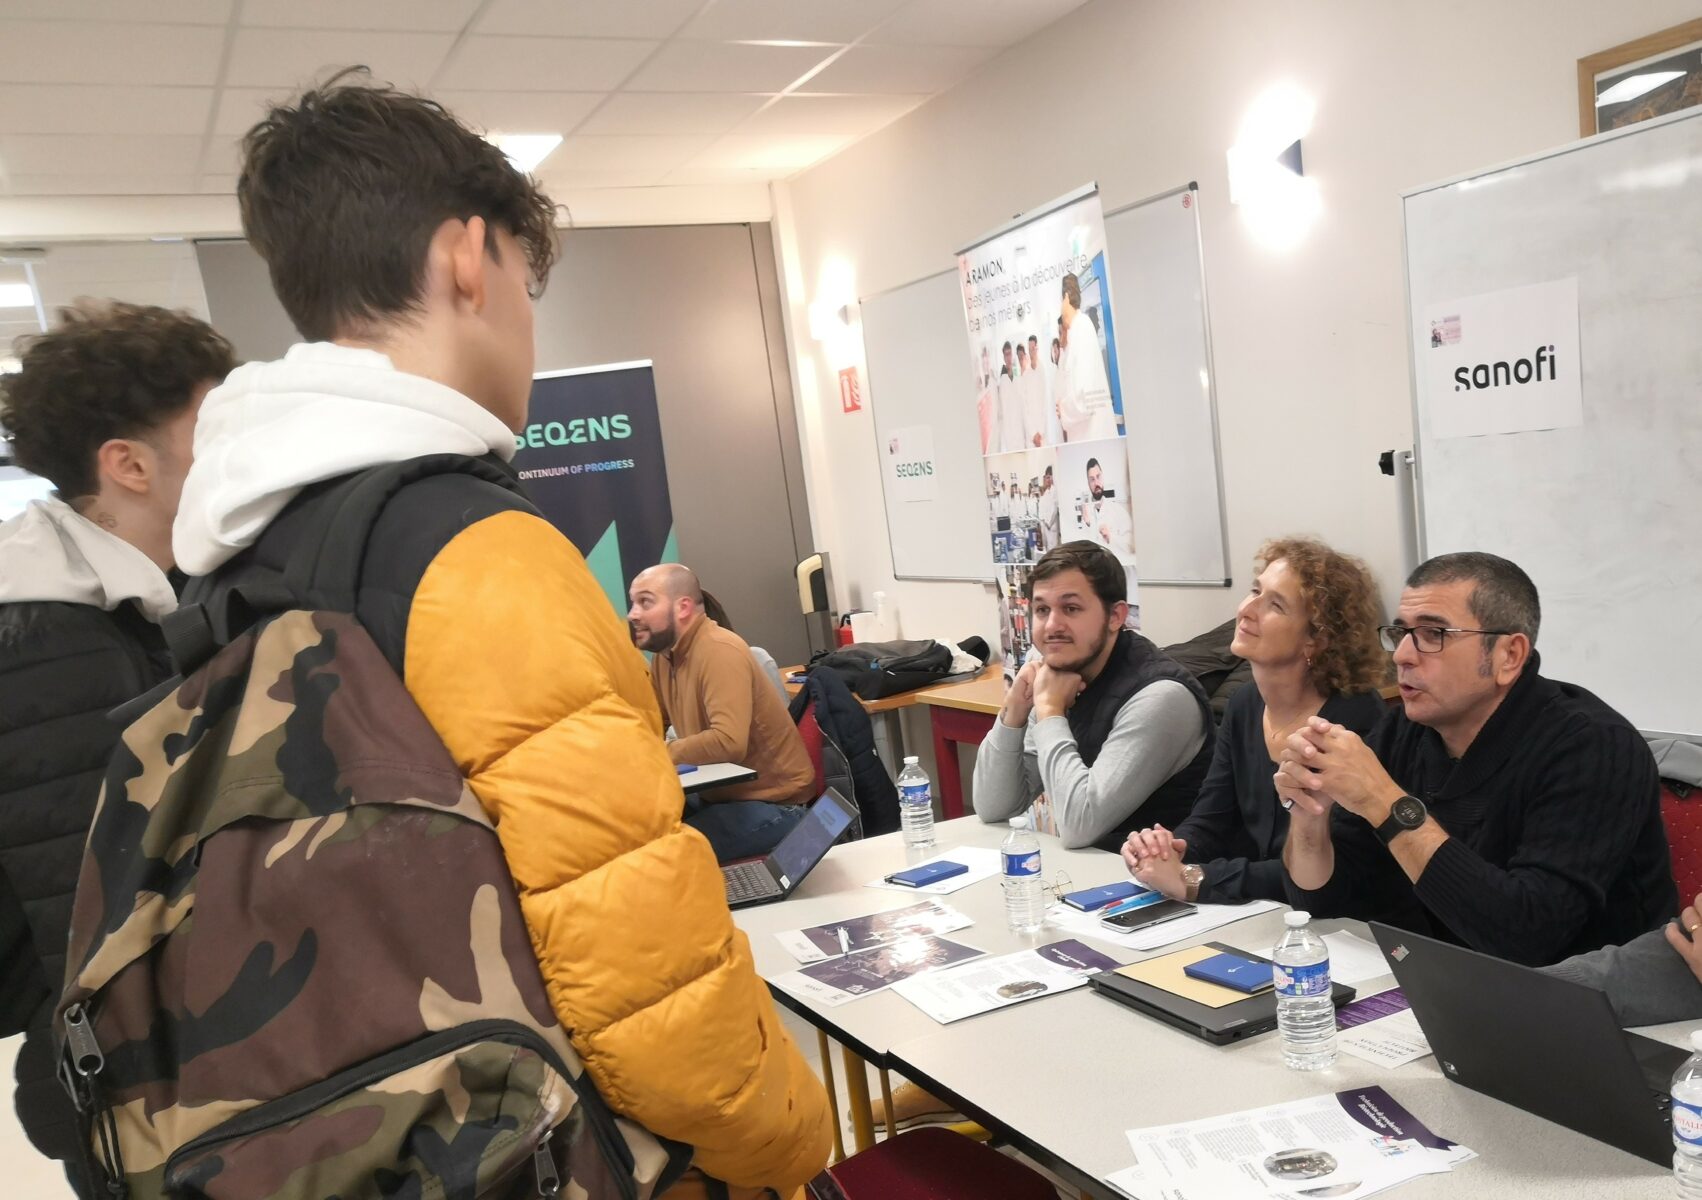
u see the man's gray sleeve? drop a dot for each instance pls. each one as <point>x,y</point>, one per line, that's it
<point>1645,980</point>
<point>1155,735</point>
<point>1006,777</point>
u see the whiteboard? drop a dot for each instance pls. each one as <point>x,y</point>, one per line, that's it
<point>1158,292</point>
<point>1603,517</point>
<point>916,348</point>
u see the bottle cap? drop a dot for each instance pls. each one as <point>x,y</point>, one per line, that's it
<point>1022,823</point>
<point>1295,919</point>
<point>911,760</point>
<point>1696,1040</point>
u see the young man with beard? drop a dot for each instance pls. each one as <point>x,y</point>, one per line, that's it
<point>1115,733</point>
<point>408,250</point>
<point>103,407</point>
<point>724,709</point>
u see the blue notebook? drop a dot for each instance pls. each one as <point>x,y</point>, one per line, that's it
<point>1232,971</point>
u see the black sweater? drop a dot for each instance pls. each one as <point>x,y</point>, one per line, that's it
<point>1237,827</point>
<point>1555,842</point>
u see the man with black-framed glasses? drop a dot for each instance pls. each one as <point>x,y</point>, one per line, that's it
<point>1514,813</point>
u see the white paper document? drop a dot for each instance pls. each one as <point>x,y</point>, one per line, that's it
<point>1345,1146</point>
<point>982,863</point>
<point>864,972</point>
<point>820,942</point>
<point>1381,1029</point>
<point>1208,918</point>
<point>1009,979</point>
<point>1503,362</point>
<point>1352,958</point>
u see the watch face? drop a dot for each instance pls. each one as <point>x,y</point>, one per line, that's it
<point>1409,812</point>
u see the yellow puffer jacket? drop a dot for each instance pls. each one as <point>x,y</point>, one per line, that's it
<point>515,655</point>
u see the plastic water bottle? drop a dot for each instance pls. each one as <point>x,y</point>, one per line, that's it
<point>1687,1123</point>
<point>1025,891</point>
<point>1306,1015</point>
<point>916,805</point>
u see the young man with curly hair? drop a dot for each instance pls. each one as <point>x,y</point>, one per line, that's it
<point>408,250</point>
<point>104,408</point>
<point>1309,629</point>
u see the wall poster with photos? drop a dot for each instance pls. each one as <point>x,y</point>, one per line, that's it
<point>1049,401</point>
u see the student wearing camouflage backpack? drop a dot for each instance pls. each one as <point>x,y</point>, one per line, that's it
<point>407,250</point>
<point>103,406</point>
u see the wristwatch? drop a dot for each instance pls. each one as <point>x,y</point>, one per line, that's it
<point>1407,813</point>
<point>1192,876</point>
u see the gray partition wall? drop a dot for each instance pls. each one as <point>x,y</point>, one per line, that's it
<point>702,303</point>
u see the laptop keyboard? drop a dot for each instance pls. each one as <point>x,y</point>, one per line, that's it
<point>748,881</point>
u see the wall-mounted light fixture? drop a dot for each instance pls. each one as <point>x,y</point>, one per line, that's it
<point>1267,178</point>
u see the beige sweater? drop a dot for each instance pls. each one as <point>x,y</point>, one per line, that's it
<point>725,709</point>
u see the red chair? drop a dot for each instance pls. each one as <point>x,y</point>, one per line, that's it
<point>1681,813</point>
<point>930,1164</point>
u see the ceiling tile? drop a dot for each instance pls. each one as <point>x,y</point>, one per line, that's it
<point>421,16</point>
<point>625,153</point>
<point>520,112</point>
<point>718,176</point>
<point>971,22</point>
<point>724,67</point>
<point>240,109</point>
<point>557,182</point>
<point>780,155</point>
<point>588,18</point>
<point>84,154</point>
<point>83,108</point>
<point>672,112</point>
<point>542,64</point>
<point>899,69</point>
<point>102,185</point>
<point>790,20</point>
<point>293,58</point>
<point>175,12</point>
<point>109,53</point>
<point>807,114</point>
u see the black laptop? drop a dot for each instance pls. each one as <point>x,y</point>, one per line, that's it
<point>1219,1026</point>
<point>1549,1046</point>
<point>760,880</point>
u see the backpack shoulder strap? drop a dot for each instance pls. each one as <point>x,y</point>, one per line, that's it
<point>323,570</point>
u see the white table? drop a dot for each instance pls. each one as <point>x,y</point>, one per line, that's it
<point>1062,1078</point>
<point>714,775</point>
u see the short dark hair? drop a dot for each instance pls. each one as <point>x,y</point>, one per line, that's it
<point>1072,290</point>
<point>1092,463</point>
<point>1034,339</point>
<point>342,191</point>
<point>1504,597</point>
<point>1104,573</point>
<point>108,370</point>
<point>1006,349</point>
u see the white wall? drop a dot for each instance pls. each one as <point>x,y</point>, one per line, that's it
<point>1144,95</point>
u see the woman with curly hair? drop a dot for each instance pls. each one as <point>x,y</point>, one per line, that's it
<point>1309,627</point>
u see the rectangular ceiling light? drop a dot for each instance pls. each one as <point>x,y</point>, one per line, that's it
<point>16,295</point>
<point>526,150</point>
<point>1633,86</point>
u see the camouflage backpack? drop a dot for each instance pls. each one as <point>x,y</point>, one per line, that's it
<point>297,967</point>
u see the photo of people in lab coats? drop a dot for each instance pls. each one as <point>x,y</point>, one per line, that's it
<point>1094,496</point>
<point>1022,505</point>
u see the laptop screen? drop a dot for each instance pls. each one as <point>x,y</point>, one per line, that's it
<point>800,850</point>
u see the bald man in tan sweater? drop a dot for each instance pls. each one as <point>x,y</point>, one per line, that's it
<point>724,709</point>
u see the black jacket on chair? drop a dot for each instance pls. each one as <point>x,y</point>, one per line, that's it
<point>842,718</point>
<point>63,668</point>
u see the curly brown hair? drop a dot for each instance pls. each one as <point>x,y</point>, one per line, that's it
<point>1342,606</point>
<point>342,191</point>
<point>107,370</point>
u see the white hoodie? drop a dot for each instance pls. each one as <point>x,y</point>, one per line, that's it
<point>51,552</point>
<point>319,412</point>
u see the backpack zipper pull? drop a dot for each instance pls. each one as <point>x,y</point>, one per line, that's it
<point>85,1051</point>
<point>544,1166</point>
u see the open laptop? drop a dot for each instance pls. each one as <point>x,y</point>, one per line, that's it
<point>1549,1046</point>
<point>760,880</point>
